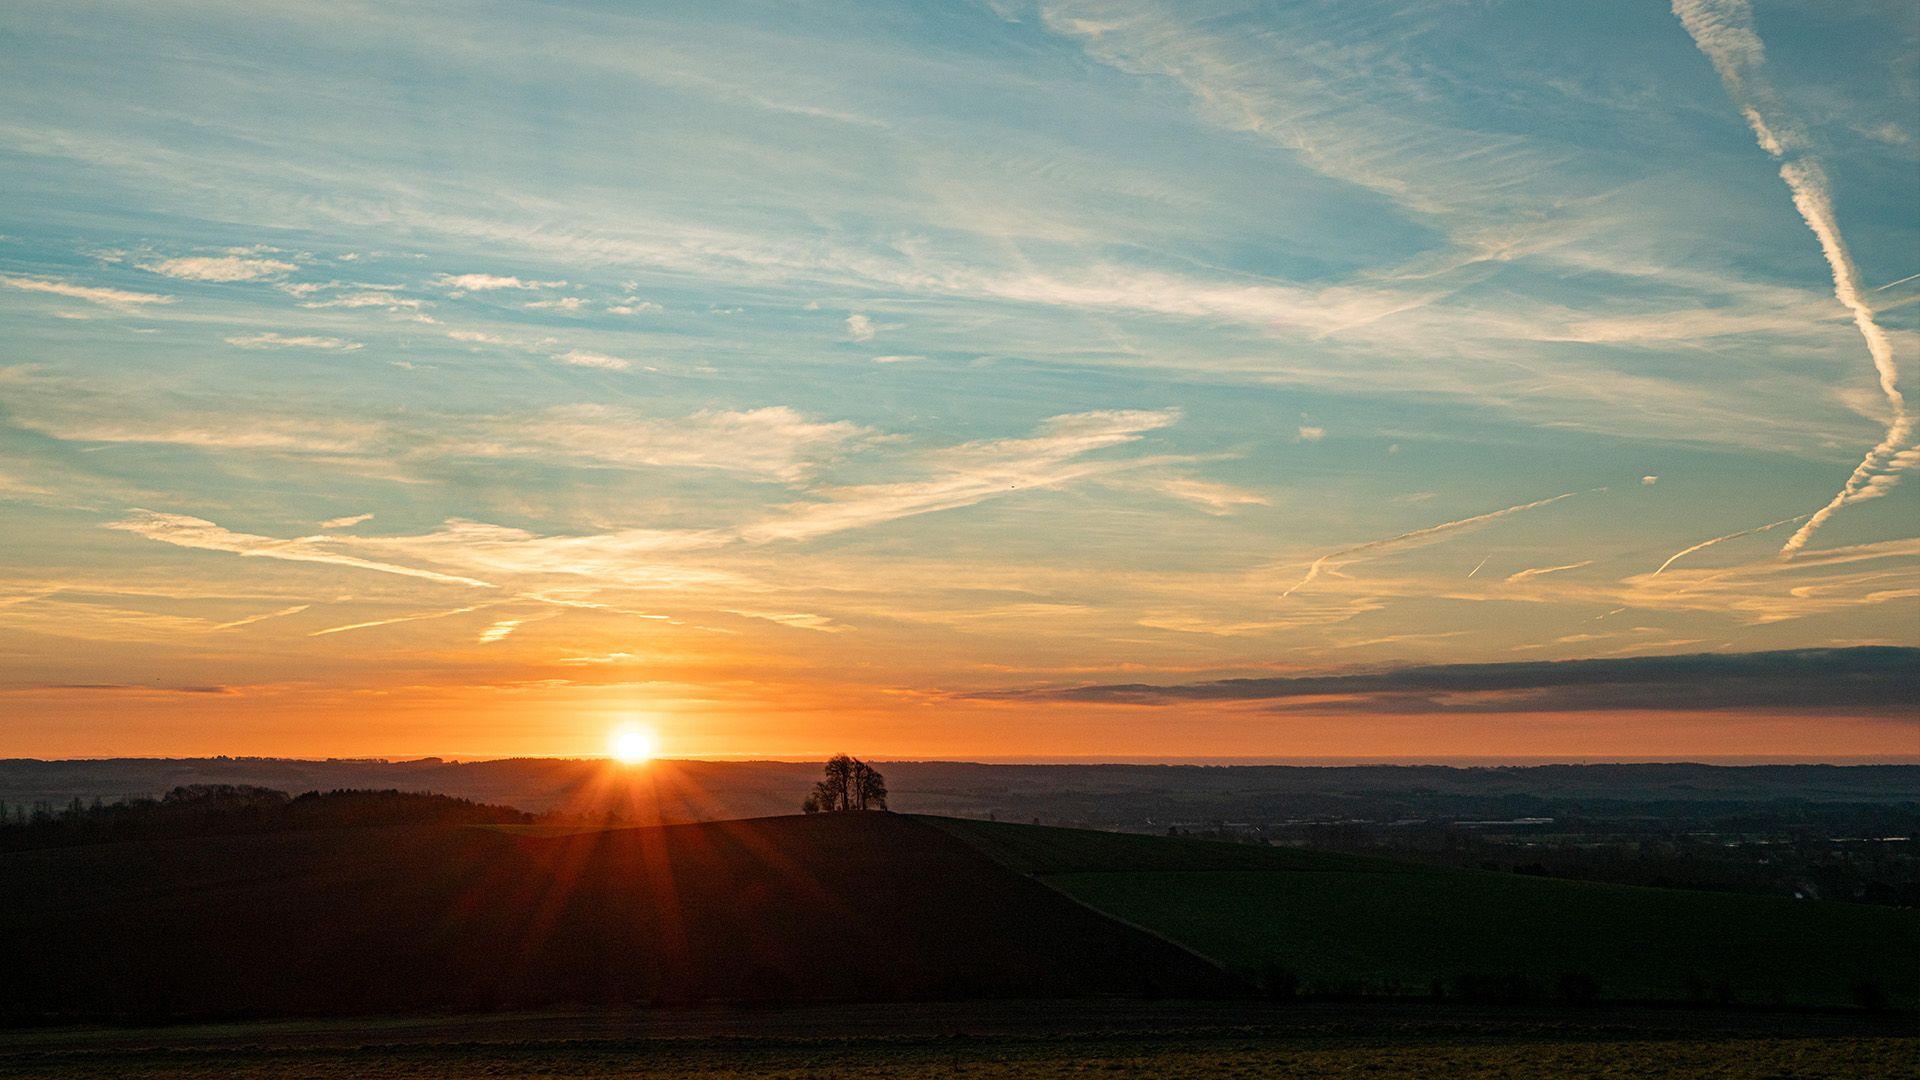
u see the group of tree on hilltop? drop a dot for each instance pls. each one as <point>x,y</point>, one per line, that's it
<point>850,784</point>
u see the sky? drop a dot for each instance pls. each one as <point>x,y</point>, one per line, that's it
<point>959,380</point>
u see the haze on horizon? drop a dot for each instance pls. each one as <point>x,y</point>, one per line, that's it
<point>970,381</point>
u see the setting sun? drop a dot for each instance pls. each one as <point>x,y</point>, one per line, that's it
<point>632,745</point>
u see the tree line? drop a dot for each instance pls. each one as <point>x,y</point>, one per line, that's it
<point>850,784</point>
<point>226,809</point>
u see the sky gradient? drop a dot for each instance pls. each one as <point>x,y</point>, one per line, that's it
<point>469,379</point>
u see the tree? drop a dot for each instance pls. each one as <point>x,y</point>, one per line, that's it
<point>872,793</point>
<point>849,784</point>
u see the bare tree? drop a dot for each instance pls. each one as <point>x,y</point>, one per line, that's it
<point>850,784</point>
<point>873,788</point>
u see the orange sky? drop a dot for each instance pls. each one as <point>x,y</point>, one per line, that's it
<point>569,721</point>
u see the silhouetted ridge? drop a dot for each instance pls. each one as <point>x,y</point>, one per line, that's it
<point>406,917</point>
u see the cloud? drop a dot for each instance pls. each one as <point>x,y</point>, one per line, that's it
<point>489,282</point>
<point>221,268</point>
<point>776,441</point>
<point>294,341</point>
<point>588,359</point>
<point>191,532</point>
<point>1312,434</point>
<point>635,306</point>
<point>900,359</point>
<point>974,472</point>
<point>376,298</point>
<point>564,303</point>
<point>859,327</point>
<point>1649,481</point>
<point>498,631</point>
<point>91,294</point>
<point>1419,536</point>
<point>796,620</point>
<point>1217,499</point>
<point>345,522</point>
<point>1880,680</point>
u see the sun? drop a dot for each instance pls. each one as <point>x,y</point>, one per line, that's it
<point>632,745</point>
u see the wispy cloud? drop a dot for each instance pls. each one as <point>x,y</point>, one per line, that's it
<point>587,358</point>
<point>191,532</point>
<point>345,522</point>
<point>498,631</point>
<point>488,282</point>
<point>975,472</point>
<point>91,293</point>
<point>219,268</point>
<point>776,441</point>
<point>292,341</point>
<point>370,299</point>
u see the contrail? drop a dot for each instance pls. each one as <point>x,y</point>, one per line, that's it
<point>1476,569</point>
<point>263,617</point>
<point>1417,534</point>
<point>1515,579</point>
<point>1676,556</point>
<point>397,619</point>
<point>1723,31</point>
<point>1902,281</point>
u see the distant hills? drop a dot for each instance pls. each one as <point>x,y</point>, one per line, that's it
<point>1141,797</point>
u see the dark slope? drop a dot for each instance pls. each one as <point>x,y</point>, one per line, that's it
<point>1351,924</point>
<point>870,906</point>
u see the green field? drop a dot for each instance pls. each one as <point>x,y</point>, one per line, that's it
<point>1346,924</point>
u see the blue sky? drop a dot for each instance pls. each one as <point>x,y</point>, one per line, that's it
<point>733,364</point>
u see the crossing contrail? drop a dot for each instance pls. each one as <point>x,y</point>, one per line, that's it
<point>1420,534</point>
<point>1723,31</point>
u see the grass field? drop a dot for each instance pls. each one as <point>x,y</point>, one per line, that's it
<point>1044,1039</point>
<point>1351,924</point>
<point>1837,1059</point>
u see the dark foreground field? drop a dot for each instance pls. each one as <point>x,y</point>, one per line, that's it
<point>891,945</point>
<point>439,917</point>
<point>1352,925</point>
<point>1045,1039</point>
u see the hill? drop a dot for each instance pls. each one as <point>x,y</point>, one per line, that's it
<point>1124,796</point>
<point>1352,924</point>
<point>401,918</point>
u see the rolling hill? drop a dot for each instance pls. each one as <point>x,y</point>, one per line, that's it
<point>861,907</point>
<point>406,918</point>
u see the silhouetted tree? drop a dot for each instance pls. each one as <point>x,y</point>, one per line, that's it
<point>849,784</point>
<point>870,787</point>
